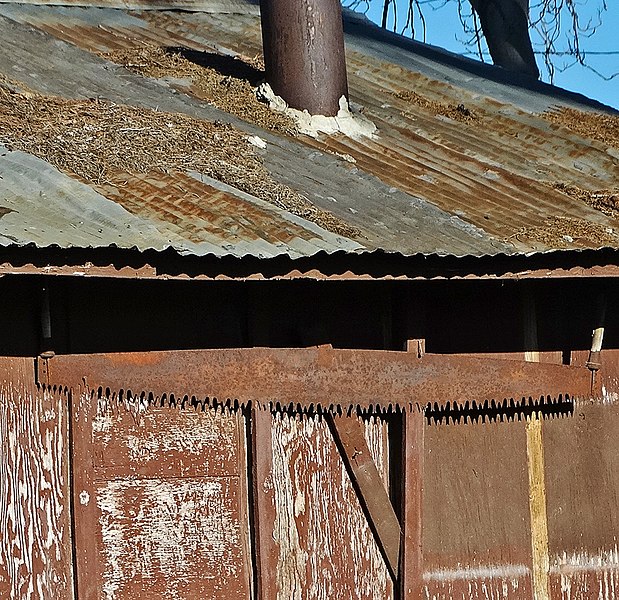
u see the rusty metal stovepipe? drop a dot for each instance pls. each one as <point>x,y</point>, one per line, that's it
<point>303,44</point>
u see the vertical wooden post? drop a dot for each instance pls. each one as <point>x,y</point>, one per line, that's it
<point>535,463</point>
<point>411,557</point>
<point>263,505</point>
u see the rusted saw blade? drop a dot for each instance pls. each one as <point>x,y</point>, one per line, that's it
<point>319,378</point>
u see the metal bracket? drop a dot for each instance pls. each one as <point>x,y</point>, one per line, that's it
<point>41,370</point>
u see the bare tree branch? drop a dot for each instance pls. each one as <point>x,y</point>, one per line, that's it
<point>558,27</point>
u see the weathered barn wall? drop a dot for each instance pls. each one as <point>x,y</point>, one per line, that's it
<point>161,500</point>
<point>476,527</point>
<point>323,545</point>
<point>35,531</point>
<point>162,496</point>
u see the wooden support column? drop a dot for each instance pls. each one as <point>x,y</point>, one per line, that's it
<point>266,552</point>
<point>349,433</point>
<point>535,462</point>
<point>411,560</point>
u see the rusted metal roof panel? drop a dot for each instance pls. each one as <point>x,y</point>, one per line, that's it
<point>206,6</point>
<point>464,166</point>
<point>40,205</point>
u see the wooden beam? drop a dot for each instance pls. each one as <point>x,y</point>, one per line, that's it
<point>263,516</point>
<point>349,434</point>
<point>535,465</point>
<point>411,562</point>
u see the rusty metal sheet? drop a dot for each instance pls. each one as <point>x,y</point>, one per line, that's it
<point>582,481</point>
<point>476,532</point>
<point>323,377</point>
<point>204,6</point>
<point>428,183</point>
<point>160,494</point>
<point>473,169</point>
<point>323,546</point>
<point>35,531</point>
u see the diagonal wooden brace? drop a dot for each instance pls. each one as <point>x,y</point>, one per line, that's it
<point>349,434</point>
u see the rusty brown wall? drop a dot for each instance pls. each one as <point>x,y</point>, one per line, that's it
<point>161,503</point>
<point>476,539</point>
<point>35,547</point>
<point>321,540</point>
<point>582,479</point>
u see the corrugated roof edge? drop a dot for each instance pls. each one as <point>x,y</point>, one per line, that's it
<point>377,264</point>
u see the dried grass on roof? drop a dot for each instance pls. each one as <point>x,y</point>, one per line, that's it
<point>566,232</point>
<point>606,201</point>
<point>456,112</point>
<point>92,140</point>
<point>230,93</point>
<point>597,126</point>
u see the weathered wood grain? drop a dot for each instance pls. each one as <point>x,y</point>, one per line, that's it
<point>582,474</point>
<point>476,523</point>
<point>326,549</point>
<point>161,501</point>
<point>35,552</point>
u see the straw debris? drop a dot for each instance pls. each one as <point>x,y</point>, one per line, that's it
<point>598,126</point>
<point>232,93</point>
<point>93,140</point>
<point>606,201</point>
<point>456,112</point>
<point>567,232</point>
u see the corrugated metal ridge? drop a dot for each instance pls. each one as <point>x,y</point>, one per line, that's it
<point>233,31</point>
<point>373,36</point>
<point>603,256</point>
<point>224,7</point>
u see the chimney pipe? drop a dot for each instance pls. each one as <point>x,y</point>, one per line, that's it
<point>303,43</point>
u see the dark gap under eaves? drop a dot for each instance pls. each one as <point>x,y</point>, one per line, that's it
<point>375,264</point>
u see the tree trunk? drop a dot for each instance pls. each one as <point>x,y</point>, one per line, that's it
<point>505,24</point>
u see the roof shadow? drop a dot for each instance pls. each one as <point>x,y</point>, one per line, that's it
<point>228,66</point>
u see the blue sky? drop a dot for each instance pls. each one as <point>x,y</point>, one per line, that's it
<point>444,29</point>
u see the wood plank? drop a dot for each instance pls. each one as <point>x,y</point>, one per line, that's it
<point>373,496</point>
<point>411,569</point>
<point>324,546</point>
<point>153,518</point>
<point>35,532</point>
<point>535,466</point>
<point>263,504</point>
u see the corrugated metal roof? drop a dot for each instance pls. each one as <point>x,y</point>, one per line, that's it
<point>429,182</point>
<point>206,6</point>
<point>194,215</point>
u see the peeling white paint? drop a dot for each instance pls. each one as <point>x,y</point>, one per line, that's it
<point>608,396</point>
<point>481,572</point>
<point>33,492</point>
<point>475,589</point>
<point>574,562</point>
<point>326,549</point>
<point>168,530</point>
